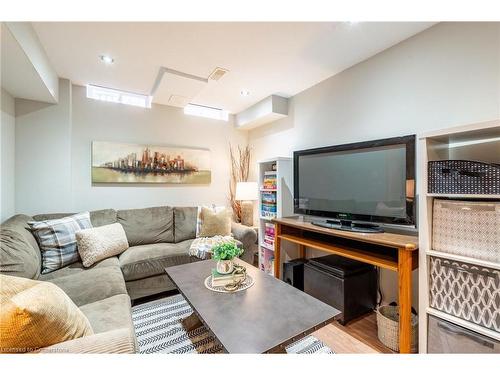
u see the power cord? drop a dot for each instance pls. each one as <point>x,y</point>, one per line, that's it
<point>379,289</point>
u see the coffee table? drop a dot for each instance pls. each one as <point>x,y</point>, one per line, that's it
<point>262,319</point>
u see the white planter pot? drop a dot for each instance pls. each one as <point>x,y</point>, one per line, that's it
<point>225,266</point>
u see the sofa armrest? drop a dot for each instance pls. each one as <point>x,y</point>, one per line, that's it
<point>118,341</point>
<point>248,237</point>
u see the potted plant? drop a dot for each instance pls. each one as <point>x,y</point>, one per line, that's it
<point>224,254</point>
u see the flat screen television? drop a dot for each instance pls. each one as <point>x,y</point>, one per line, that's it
<point>358,185</point>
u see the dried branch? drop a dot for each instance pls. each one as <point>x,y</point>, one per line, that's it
<point>240,169</point>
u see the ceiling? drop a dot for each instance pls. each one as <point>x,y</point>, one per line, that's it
<point>281,58</point>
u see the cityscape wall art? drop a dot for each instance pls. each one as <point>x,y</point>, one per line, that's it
<point>125,163</point>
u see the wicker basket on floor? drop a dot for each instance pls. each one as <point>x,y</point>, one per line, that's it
<point>388,328</point>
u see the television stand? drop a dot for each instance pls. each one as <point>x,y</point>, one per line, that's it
<point>349,226</point>
<point>400,255</point>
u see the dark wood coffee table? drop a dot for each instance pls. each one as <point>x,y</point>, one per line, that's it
<point>262,319</point>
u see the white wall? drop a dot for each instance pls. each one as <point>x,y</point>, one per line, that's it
<point>43,154</point>
<point>445,76</point>
<point>7,154</point>
<point>53,153</point>
<point>161,125</point>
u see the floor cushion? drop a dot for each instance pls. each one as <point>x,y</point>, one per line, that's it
<point>36,314</point>
<point>92,285</point>
<point>138,262</point>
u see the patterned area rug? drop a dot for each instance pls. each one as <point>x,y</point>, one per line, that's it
<point>159,330</point>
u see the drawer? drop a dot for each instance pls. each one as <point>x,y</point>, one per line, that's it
<point>446,337</point>
<point>466,228</point>
<point>466,291</point>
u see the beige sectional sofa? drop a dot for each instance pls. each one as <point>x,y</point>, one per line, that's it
<point>158,237</point>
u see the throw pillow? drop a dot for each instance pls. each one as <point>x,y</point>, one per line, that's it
<point>212,207</point>
<point>36,314</point>
<point>57,240</point>
<point>215,223</point>
<point>95,244</point>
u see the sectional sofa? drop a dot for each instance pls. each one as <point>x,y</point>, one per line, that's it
<point>158,237</point>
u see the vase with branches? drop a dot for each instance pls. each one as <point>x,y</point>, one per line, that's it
<point>240,169</point>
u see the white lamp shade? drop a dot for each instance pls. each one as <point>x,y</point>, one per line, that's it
<point>246,191</point>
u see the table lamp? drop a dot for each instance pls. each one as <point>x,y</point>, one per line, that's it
<point>246,192</point>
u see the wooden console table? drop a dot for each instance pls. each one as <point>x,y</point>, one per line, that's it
<point>394,252</point>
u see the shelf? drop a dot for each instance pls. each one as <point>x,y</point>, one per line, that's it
<point>267,247</point>
<point>464,323</point>
<point>464,196</point>
<point>460,258</point>
<point>267,218</point>
<point>348,252</point>
<point>465,133</point>
<point>268,190</point>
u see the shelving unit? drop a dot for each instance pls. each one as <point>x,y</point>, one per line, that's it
<point>479,142</point>
<point>275,201</point>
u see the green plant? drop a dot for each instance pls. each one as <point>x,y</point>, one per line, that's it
<point>225,251</point>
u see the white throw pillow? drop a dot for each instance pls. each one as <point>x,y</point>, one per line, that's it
<point>99,243</point>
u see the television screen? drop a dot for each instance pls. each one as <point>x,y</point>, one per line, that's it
<point>356,182</point>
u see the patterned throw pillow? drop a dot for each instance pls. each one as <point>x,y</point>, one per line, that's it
<point>57,240</point>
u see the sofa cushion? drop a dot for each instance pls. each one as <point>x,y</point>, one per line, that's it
<point>109,314</point>
<point>185,223</point>
<point>78,267</point>
<point>92,285</point>
<point>19,251</point>
<point>17,255</point>
<point>36,314</point>
<point>147,225</point>
<point>57,239</point>
<point>97,218</point>
<point>138,262</point>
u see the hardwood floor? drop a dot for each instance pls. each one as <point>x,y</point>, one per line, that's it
<point>357,337</point>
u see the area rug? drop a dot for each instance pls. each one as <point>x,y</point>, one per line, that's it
<point>159,330</point>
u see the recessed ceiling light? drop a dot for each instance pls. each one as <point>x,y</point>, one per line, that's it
<point>244,92</point>
<point>107,59</point>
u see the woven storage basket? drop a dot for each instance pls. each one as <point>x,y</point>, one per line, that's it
<point>388,328</point>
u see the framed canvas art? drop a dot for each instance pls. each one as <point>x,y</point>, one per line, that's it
<point>117,163</point>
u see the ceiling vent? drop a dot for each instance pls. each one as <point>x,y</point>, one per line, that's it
<point>217,74</point>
